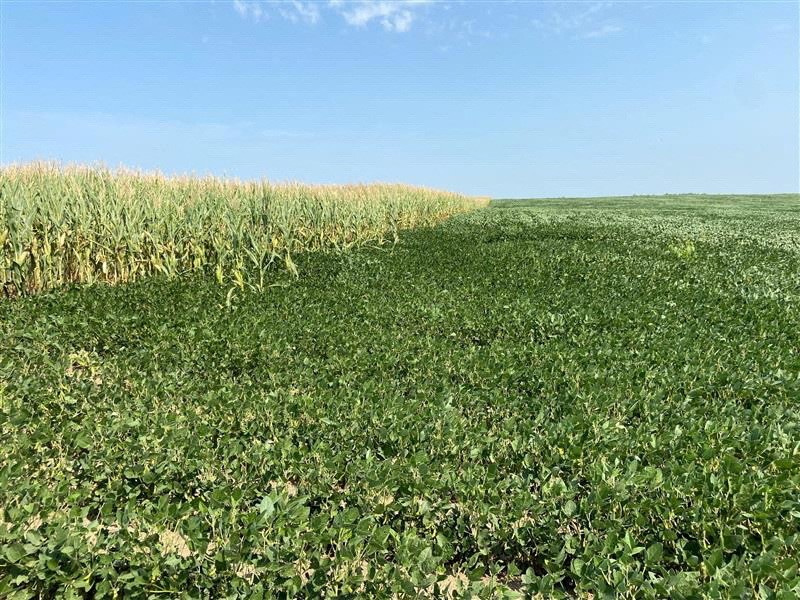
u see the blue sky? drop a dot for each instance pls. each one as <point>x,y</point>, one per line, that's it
<point>506,99</point>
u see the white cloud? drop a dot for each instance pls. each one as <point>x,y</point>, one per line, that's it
<point>249,10</point>
<point>295,11</point>
<point>585,23</point>
<point>240,7</point>
<point>602,31</point>
<point>393,15</point>
<point>401,22</point>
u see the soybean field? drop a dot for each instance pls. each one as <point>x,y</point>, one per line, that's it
<point>575,398</point>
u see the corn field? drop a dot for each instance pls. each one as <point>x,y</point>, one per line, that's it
<point>75,224</point>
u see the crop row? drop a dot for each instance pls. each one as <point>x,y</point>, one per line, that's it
<point>82,225</point>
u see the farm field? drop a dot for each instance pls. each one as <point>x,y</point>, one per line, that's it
<point>594,398</point>
<point>61,225</point>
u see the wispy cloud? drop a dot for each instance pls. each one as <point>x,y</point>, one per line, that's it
<point>391,15</point>
<point>249,10</point>
<point>296,11</point>
<point>602,31</point>
<point>587,22</point>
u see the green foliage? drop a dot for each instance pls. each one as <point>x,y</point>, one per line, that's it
<point>524,401</point>
<point>84,225</point>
